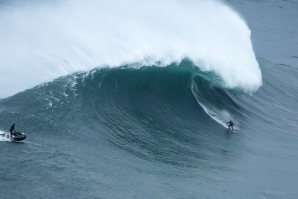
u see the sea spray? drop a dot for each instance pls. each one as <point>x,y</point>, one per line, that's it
<point>39,42</point>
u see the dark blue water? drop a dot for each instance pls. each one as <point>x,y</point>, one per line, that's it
<point>159,132</point>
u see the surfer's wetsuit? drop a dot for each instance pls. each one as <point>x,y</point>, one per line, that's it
<point>12,129</point>
<point>231,124</point>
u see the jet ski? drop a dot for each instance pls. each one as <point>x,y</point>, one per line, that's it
<point>16,136</point>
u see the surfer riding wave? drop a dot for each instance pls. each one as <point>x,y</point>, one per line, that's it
<point>231,125</point>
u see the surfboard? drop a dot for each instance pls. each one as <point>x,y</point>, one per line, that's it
<point>233,131</point>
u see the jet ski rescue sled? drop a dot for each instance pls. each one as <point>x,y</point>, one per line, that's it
<point>16,136</point>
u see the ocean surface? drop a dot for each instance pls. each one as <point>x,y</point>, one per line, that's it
<point>130,99</point>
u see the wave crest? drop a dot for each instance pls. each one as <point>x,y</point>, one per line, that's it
<point>55,39</point>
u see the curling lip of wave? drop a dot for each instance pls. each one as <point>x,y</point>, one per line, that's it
<point>44,41</point>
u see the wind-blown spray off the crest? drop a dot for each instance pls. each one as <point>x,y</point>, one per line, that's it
<point>39,42</point>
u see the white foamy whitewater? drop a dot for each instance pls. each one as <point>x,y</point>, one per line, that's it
<point>4,137</point>
<point>42,41</point>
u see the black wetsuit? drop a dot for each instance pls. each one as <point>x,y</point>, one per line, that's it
<point>231,124</point>
<point>12,129</point>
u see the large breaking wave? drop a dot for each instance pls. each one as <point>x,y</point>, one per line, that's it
<point>42,41</point>
<point>124,96</point>
<point>136,109</point>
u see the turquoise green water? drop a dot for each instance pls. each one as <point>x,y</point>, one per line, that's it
<point>159,132</point>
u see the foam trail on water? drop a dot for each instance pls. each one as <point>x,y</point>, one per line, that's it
<point>45,40</point>
<point>5,138</point>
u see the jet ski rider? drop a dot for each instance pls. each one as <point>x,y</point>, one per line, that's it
<point>12,129</point>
